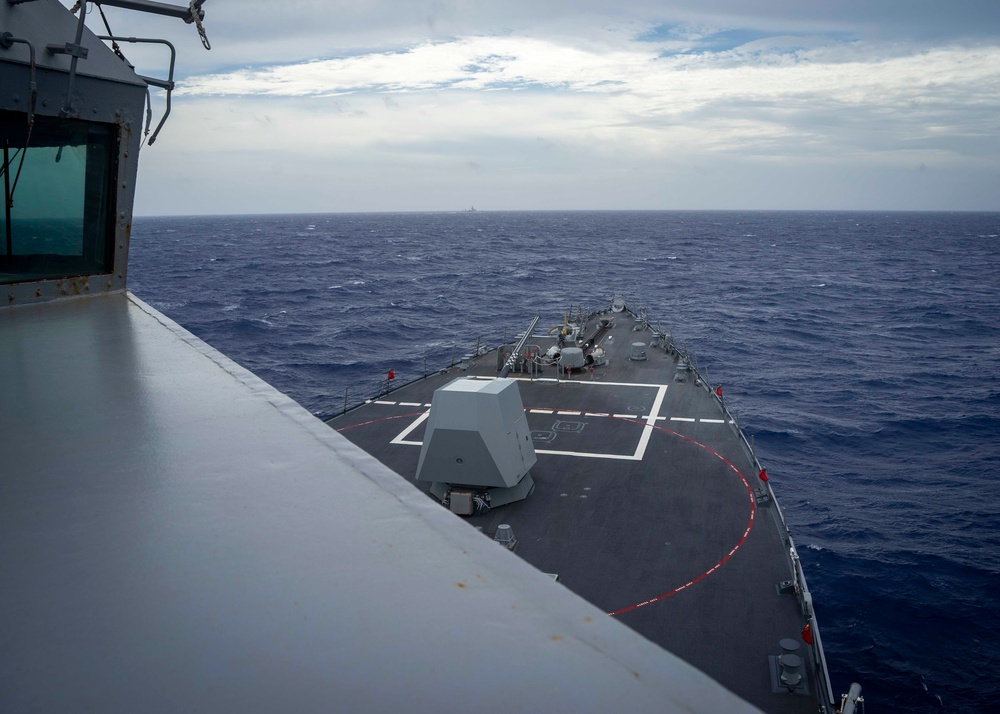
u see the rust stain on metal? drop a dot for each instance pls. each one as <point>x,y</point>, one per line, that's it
<point>73,286</point>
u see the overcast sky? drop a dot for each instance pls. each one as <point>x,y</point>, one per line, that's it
<point>368,105</point>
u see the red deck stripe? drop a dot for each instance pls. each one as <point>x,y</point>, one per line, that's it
<point>376,421</point>
<point>730,554</point>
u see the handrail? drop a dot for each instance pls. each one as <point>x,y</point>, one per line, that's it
<point>7,40</point>
<point>805,601</point>
<point>166,84</point>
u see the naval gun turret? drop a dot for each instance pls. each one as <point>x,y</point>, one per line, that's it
<point>477,448</point>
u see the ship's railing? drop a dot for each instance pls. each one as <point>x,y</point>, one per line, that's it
<point>805,601</point>
<point>384,384</point>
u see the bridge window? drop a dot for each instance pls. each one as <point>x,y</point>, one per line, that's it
<point>58,181</point>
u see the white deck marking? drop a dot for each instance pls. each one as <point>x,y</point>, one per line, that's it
<point>640,451</point>
<point>647,430</point>
<point>388,404</point>
<point>589,455</point>
<point>401,438</point>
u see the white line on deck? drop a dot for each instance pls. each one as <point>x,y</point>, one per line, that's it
<point>582,380</point>
<point>647,430</point>
<point>640,451</point>
<point>401,439</point>
<point>589,455</point>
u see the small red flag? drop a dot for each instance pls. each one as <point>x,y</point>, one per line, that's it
<point>392,374</point>
<point>807,635</point>
<point>718,392</point>
<point>763,475</point>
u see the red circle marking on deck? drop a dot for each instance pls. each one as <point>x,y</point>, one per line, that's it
<point>727,556</point>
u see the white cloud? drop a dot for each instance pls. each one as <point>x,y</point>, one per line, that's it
<point>382,105</point>
<point>739,98</point>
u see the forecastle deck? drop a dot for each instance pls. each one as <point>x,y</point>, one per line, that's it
<point>647,503</point>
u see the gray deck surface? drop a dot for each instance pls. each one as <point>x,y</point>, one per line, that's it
<point>621,530</point>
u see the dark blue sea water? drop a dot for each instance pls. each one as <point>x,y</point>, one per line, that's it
<point>860,350</point>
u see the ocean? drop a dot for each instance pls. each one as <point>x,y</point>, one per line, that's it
<point>860,351</point>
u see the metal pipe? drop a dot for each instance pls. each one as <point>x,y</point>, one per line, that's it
<point>853,695</point>
<point>77,49</point>
<point>7,41</point>
<point>156,8</point>
<point>6,197</point>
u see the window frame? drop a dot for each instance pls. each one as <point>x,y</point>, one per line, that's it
<point>98,181</point>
